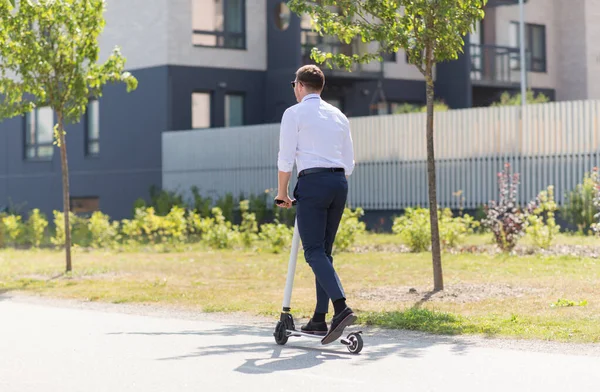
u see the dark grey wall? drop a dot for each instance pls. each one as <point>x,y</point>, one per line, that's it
<point>453,80</point>
<point>128,164</point>
<point>186,80</point>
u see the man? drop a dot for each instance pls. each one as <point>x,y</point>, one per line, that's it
<point>316,136</point>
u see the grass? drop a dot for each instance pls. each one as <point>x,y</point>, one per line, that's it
<point>376,285</point>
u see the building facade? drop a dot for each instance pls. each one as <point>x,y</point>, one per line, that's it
<point>222,63</point>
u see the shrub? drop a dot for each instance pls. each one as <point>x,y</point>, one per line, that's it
<point>542,225</point>
<point>2,230</point>
<point>248,227</point>
<point>349,228</point>
<point>219,233</point>
<point>258,205</point>
<point>202,205</point>
<point>14,229</point>
<point>453,230</point>
<point>596,225</point>
<point>173,227</point>
<point>506,99</point>
<point>579,208</point>
<point>504,218</point>
<point>226,205</point>
<point>414,229</point>
<point>35,228</point>
<point>103,233</point>
<point>163,201</point>
<point>277,236</point>
<point>80,234</point>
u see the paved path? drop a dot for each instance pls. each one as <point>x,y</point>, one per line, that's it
<point>64,346</point>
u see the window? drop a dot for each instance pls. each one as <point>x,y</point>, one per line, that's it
<point>92,129</point>
<point>201,110</point>
<point>219,23</point>
<point>39,134</point>
<point>234,110</point>
<point>389,57</point>
<point>84,206</point>
<point>535,45</point>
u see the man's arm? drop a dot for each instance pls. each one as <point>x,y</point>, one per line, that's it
<point>288,142</point>
<point>348,153</point>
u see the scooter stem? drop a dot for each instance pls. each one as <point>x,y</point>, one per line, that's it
<point>289,283</point>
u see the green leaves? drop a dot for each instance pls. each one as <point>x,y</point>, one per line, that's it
<point>49,57</point>
<point>412,25</point>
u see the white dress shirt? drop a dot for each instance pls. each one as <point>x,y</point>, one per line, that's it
<point>315,133</point>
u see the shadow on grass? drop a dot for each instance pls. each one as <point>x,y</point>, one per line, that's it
<point>262,355</point>
<point>425,320</point>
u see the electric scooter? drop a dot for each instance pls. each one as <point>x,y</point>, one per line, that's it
<point>285,326</point>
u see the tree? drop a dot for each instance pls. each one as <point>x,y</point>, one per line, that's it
<point>430,31</point>
<point>49,57</point>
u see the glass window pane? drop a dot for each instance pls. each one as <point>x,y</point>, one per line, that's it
<point>45,151</point>
<point>30,128</point>
<point>200,110</point>
<point>513,35</point>
<point>30,152</point>
<point>45,125</point>
<point>204,39</point>
<point>234,15</point>
<point>93,120</point>
<point>93,148</point>
<point>207,15</point>
<point>537,42</point>
<point>234,110</point>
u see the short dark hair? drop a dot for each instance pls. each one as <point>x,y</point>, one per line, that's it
<point>311,76</point>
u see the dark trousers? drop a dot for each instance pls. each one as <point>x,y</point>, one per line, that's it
<point>321,200</point>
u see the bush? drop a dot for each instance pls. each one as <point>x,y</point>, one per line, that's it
<point>80,234</point>
<point>173,228</point>
<point>596,225</point>
<point>579,209</point>
<point>2,231</point>
<point>219,233</point>
<point>103,233</point>
<point>515,100</point>
<point>226,205</point>
<point>349,228</point>
<point>14,229</point>
<point>35,228</point>
<point>453,230</point>
<point>248,227</point>
<point>542,225</point>
<point>277,236</point>
<point>414,229</point>
<point>506,221</point>
<point>163,201</point>
<point>258,206</point>
<point>202,205</point>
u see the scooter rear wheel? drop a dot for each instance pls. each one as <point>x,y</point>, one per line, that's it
<point>356,343</point>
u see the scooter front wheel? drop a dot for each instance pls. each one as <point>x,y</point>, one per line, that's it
<point>281,337</point>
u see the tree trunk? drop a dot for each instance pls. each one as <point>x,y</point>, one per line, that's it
<point>65,184</point>
<point>438,280</point>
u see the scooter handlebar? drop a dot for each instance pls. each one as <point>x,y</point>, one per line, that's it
<point>277,201</point>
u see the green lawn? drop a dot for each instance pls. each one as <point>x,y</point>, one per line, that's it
<point>494,295</point>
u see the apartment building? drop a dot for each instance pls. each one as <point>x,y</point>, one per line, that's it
<point>225,63</point>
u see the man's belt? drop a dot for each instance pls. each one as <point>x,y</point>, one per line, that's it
<point>319,170</point>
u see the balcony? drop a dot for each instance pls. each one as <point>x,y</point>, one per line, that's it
<point>493,65</point>
<point>311,39</point>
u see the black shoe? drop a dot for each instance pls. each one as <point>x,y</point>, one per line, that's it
<point>339,322</point>
<point>315,328</point>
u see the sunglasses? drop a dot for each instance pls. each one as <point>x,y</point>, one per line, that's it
<point>293,83</point>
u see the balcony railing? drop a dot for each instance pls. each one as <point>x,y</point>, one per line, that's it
<point>311,39</point>
<point>495,65</point>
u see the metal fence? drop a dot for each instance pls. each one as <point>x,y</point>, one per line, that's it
<point>551,144</point>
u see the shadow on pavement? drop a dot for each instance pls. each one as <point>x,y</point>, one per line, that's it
<point>302,353</point>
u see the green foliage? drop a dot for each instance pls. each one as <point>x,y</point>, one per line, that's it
<point>226,205</point>
<point>453,230</point>
<point>42,42</point>
<point>139,203</point>
<point>350,227</point>
<point>163,201</point>
<point>564,303</point>
<point>596,225</point>
<point>277,236</point>
<point>438,106</point>
<point>2,230</point>
<point>103,232</point>
<point>542,225</point>
<point>201,204</point>
<point>258,205</point>
<point>14,228</point>
<point>80,234</point>
<point>219,233</point>
<point>35,228</point>
<point>579,208</point>
<point>173,229</point>
<point>423,24</point>
<point>248,227</point>
<point>414,228</point>
<point>506,99</point>
<point>286,216</point>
